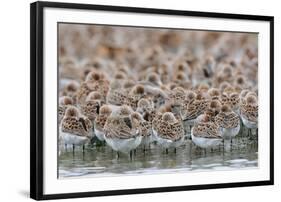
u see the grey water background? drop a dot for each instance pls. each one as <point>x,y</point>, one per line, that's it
<point>100,161</point>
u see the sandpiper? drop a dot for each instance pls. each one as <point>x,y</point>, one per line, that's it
<point>135,95</point>
<point>169,131</point>
<point>146,109</point>
<point>100,120</point>
<point>228,122</point>
<point>92,105</point>
<point>64,102</point>
<point>122,131</point>
<point>194,107</point>
<point>206,134</point>
<point>144,106</point>
<point>176,98</point>
<point>70,89</point>
<point>116,94</point>
<point>249,112</point>
<point>212,110</point>
<point>152,79</point>
<point>95,81</point>
<point>231,98</point>
<point>75,129</point>
<point>145,128</point>
<point>214,93</point>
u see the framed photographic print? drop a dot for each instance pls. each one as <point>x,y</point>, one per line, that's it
<point>136,100</point>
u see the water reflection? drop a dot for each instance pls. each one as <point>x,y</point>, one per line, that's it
<point>103,161</point>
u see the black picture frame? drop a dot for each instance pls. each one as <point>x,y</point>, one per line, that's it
<point>36,99</point>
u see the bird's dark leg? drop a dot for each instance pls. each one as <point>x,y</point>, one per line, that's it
<point>118,155</point>
<point>83,148</point>
<point>175,150</point>
<point>131,155</point>
<point>190,150</point>
<point>251,134</point>
<point>166,151</point>
<point>73,148</point>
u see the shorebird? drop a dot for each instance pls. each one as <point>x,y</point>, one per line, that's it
<point>146,109</point>
<point>144,106</point>
<point>122,131</point>
<point>92,105</point>
<point>152,79</point>
<point>176,98</point>
<point>75,129</point>
<point>212,110</point>
<point>116,94</point>
<point>64,102</point>
<point>228,122</point>
<point>249,112</point>
<point>95,81</point>
<point>137,92</point>
<point>70,89</point>
<point>104,113</point>
<point>206,134</point>
<point>169,131</point>
<point>231,98</point>
<point>208,66</point>
<point>145,128</point>
<point>214,93</point>
<point>195,106</point>
<point>242,96</point>
<point>157,95</point>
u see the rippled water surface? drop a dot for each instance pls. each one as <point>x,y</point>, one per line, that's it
<point>99,161</point>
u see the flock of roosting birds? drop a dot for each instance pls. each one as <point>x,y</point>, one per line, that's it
<point>131,87</point>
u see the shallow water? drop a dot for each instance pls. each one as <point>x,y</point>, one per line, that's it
<point>98,161</point>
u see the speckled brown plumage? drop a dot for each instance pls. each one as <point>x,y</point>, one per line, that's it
<point>145,128</point>
<point>227,119</point>
<point>116,97</point>
<point>119,127</point>
<point>231,99</point>
<point>250,112</point>
<point>61,111</point>
<point>172,130</point>
<point>100,121</point>
<point>91,109</point>
<point>206,130</point>
<point>101,86</point>
<point>80,126</point>
<point>194,108</point>
<point>177,96</point>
